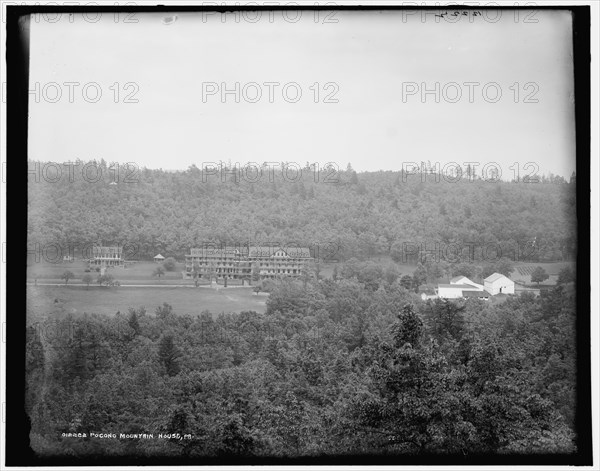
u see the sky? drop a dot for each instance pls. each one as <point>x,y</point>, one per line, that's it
<point>501,89</point>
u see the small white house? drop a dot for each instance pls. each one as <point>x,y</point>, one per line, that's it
<point>499,284</point>
<point>159,258</point>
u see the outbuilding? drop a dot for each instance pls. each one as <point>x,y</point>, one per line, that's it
<point>463,280</point>
<point>453,290</point>
<point>499,284</point>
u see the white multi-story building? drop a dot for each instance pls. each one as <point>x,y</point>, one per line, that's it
<point>106,256</point>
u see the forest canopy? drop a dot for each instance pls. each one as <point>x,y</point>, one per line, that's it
<point>331,368</point>
<point>342,213</point>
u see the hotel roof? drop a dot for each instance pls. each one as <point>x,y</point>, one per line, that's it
<point>301,252</point>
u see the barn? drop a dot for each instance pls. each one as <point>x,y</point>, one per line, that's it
<point>499,284</point>
<point>453,290</point>
<point>463,280</point>
<point>462,287</point>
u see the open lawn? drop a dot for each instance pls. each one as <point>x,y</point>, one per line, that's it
<point>41,300</point>
<point>137,271</point>
<point>140,273</point>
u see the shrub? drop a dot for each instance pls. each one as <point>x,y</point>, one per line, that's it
<point>169,264</point>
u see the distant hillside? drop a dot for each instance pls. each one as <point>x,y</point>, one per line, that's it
<point>361,215</point>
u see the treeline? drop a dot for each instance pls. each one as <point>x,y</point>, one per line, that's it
<point>339,214</point>
<point>332,367</point>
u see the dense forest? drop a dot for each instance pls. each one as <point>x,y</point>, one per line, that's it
<point>333,367</point>
<point>354,362</point>
<point>338,214</point>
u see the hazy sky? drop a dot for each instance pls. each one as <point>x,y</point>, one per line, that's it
<point>375,65</point>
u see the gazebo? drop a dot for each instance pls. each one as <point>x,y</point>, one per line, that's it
<point>159,258</point>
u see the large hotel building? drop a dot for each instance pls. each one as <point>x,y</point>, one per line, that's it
<point>239,262</point>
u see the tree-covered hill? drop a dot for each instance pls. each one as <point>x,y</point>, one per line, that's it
<point>343,213</point>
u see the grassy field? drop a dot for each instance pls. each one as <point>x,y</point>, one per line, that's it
<point>41,300</point>
<point>137,271</point>
<point>142,271</point>
<point>103,300</point>
<point>523,271</point>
